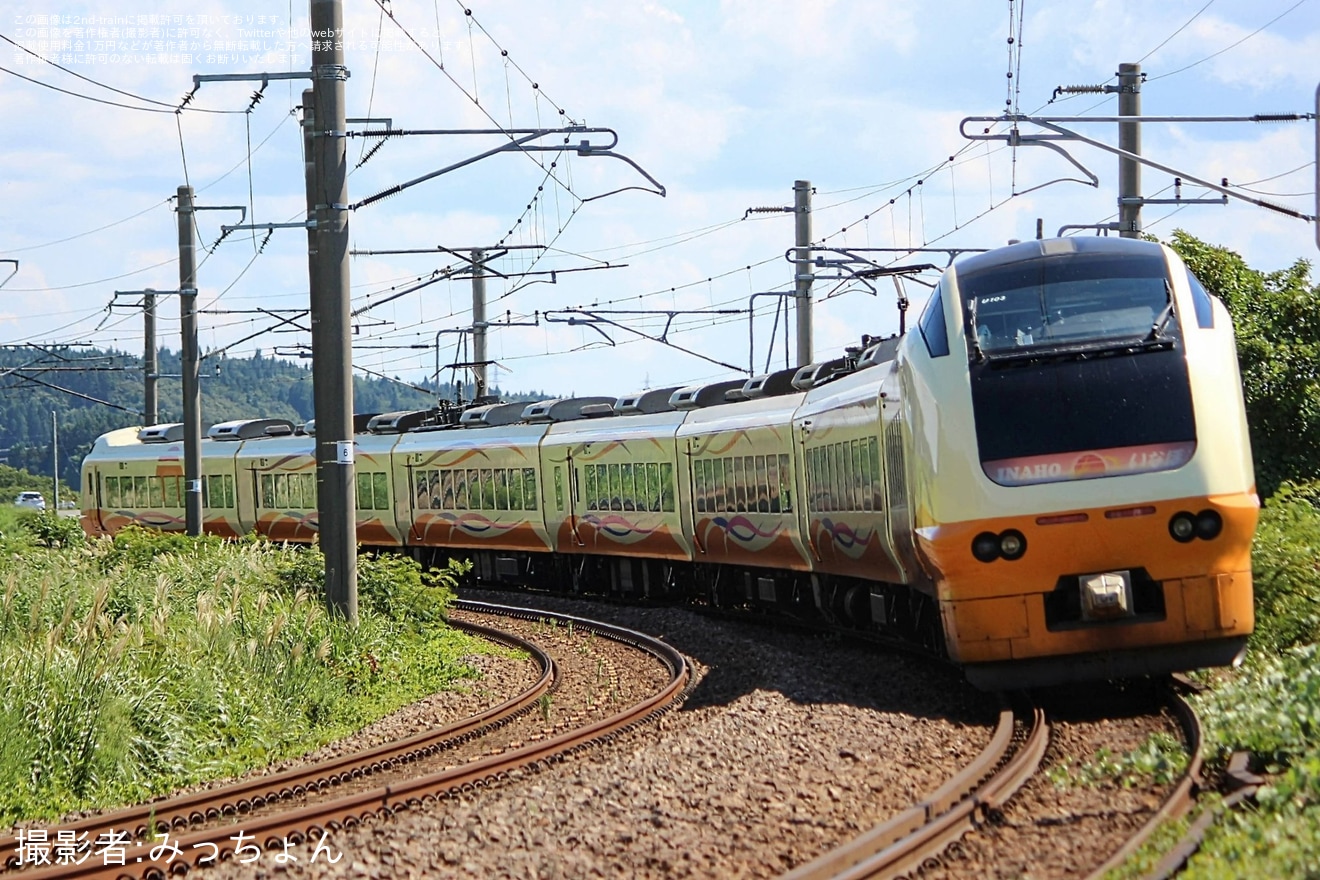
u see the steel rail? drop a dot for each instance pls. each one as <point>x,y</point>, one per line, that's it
<point>246,794</point>
<point>318,820</point>
<point>905,841</point>
<point>1183,796</point>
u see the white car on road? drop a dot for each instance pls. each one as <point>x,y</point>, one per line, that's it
<point>31,500</point>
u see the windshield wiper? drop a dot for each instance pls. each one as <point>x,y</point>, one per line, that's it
<point>1157,328</point>
<point>976,337</point>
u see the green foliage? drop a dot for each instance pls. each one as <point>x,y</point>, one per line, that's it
<point>1285,561</point>
<point>1160,760</point>
<point>1277,319</point>
<point>49,529</point>
<point>397,587</point>
<point>134,666</point>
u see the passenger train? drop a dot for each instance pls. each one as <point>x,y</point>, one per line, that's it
<point>1048,479</point>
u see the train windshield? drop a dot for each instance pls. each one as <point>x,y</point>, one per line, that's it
<point>1065,300</point>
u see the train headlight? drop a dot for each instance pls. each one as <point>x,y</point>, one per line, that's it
<point>1012,544</point>
<point>985,547</point>
<point>1182,527</point>
<point>1209,524</point>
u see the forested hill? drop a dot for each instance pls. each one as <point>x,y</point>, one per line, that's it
<point>94,391</point>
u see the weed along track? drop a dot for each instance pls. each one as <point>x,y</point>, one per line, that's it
<point>596,681</point>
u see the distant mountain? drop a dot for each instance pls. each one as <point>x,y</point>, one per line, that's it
<point>93,391</point>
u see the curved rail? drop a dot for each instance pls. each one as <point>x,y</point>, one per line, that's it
<point>246,794</point>
<point>921,831</point>
<point>1182,797</point>
<point>317,820</point>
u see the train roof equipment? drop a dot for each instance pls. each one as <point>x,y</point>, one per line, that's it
<point>360,422</point>
<point>656,400</point>
<point>172,433</point>
<point>878,353</point>
<point>565,409</point>
<point>492,415</point>
<point>769,384</point>
<point>813,375</point>
<point>397,422</point>
<point>698,396</point>
<point>250,429</point>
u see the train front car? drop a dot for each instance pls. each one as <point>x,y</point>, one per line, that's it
<point>1084,493</point>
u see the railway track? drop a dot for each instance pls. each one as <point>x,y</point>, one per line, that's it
<point>919,836</point>
<point>300,805</point>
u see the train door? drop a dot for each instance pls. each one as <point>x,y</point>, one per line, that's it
<point>802,485</point>
<point>695,492</point>
<point>574,494</point>
<point>92,498</point>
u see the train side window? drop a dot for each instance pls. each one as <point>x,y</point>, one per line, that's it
<point>206,496</point>
<point>473,489</point>
<point>380,490</point>
<point>421,491</point>
<point>445,499</point>
<point>502,489</point>
<point>529,488</point>
<point>934,330</point>
<point>648,485</point>
<point>592,489</point>
<point>785,484</point>
<point>614,491</point>
<point>866,480</point>
<point>699,485</point>
<point>487,489</point>
<point>666,487</point>
<point>515,489</point>
<point>877,484</point>
<point>461,489</point>
<point>1205,311</point>
<point>559,488</point>
<point>772,481</point>
<point>838,479</point>
<point>113,498</point>
<point>627,486</point>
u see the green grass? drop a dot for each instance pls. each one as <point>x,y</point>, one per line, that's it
<point>1270,707</point>
<point>133,666</point>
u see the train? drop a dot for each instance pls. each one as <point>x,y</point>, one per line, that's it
<point>1048,479</point>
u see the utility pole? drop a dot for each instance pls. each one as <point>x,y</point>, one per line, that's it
<point>150,369</point>
<point>1129,139</point>
<point>55,459</point>
<point>479,324</point>
<point>332,354</point>
<point>192,392</point>
<point>802,275</point>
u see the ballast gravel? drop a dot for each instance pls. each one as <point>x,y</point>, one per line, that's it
<point>790,744</point>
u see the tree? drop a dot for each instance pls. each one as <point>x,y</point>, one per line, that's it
<point>1277,319</point>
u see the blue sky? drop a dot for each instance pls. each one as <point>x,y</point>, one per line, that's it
<point>726,104</point>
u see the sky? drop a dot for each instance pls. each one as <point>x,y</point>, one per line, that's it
<point>725,104</point>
